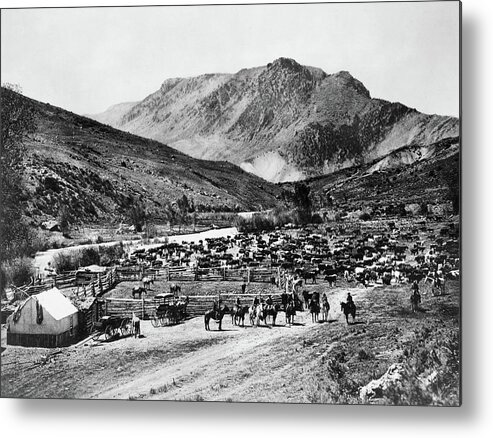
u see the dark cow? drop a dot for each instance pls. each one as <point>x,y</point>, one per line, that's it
<point>331,279</point>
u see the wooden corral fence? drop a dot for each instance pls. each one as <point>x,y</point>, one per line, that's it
<point>197,304</point>
<point>222,273</point>
<point>65,280</point>
<point>99,285</point>
<point>143,308</point>
<point>136,273</point>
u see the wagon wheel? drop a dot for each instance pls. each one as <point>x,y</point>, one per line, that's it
<point>108,332</point>
<point>155,321</point>
<point>125,327</point>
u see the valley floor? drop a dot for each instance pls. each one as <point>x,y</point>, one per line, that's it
<point>308,362</point>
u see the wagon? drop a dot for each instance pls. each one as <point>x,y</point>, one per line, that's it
<point>168,310</point>
<point>163,313</point>
<point>110,326</point>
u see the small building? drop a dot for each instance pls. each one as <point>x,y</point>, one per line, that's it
<point>88,274</point>
<point>46,320</point>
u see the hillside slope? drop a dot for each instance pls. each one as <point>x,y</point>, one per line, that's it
<point>283,121</point>
<point>97,173</point>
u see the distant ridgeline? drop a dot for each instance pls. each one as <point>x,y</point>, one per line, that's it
<point>285,122</point>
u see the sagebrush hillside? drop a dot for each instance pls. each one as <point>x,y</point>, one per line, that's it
<point>97,173</point>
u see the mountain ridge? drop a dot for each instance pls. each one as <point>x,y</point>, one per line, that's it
<point>282,121</point>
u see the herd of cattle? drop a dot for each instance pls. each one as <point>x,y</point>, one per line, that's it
<point>362,252</point>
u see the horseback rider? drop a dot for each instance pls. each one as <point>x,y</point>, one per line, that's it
<point>238,302</point>
<point>217,307</point>
<point>269,300</point>
<point>284,299</point>
<point>350,301</point>
<point>256,301</point>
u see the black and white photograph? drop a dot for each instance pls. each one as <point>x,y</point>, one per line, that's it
<point>241,203</point>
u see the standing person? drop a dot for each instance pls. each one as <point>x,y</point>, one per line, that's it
<point>136,325</point>
<point>415,287</point>
<point>243,288</point>
<point>284,299</point>
<point>415,297</point>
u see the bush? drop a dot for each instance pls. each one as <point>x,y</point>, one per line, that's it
<point>109,255</point>
<point>365,216</point>
<point>18,271</point>
<point>66,261</point>
<point>266,221</point>
<point>89,256</point>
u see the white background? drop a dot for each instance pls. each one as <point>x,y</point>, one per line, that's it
<point>124,419</point>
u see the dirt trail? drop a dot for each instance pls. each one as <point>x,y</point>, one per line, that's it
<point>232,369</point>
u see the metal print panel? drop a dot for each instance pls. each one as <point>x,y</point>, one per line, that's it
<point>240,203</point>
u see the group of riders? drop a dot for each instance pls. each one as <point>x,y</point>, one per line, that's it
<point>287,300</point>
<point>314,301</point>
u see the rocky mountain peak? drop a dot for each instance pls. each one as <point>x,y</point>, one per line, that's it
<point>285,63</point>
<point>283,121</point>
<point>346,79</point>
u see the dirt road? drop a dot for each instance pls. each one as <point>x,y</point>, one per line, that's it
<point>324,362</point>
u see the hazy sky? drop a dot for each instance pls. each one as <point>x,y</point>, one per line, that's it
<point>85,60</point>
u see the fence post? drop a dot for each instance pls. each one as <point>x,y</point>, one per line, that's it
<point>248,275</point>
<point>143,308</point>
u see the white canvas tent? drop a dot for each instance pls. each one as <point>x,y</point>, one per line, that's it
<point>48,319</point>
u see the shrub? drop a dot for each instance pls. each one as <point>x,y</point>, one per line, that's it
<point>18,271</point>
<point>365,216</point>
<point>89,256</point>
<point>66,261</point>
<point>108,255</point>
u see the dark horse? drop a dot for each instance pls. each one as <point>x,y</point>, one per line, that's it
<point>309,275</point>
<point>238,315</point>
<point>175,289</point>
<point>271,310</point>
<point>138,290</point>
<point>216,315</point>
<point>314,307</point>
<point>290,312</point>
<point>349,309</point>
<point>306,298</point>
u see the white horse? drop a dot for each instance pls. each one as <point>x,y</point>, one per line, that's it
<point>325,309</point>
<point>147,281</point>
